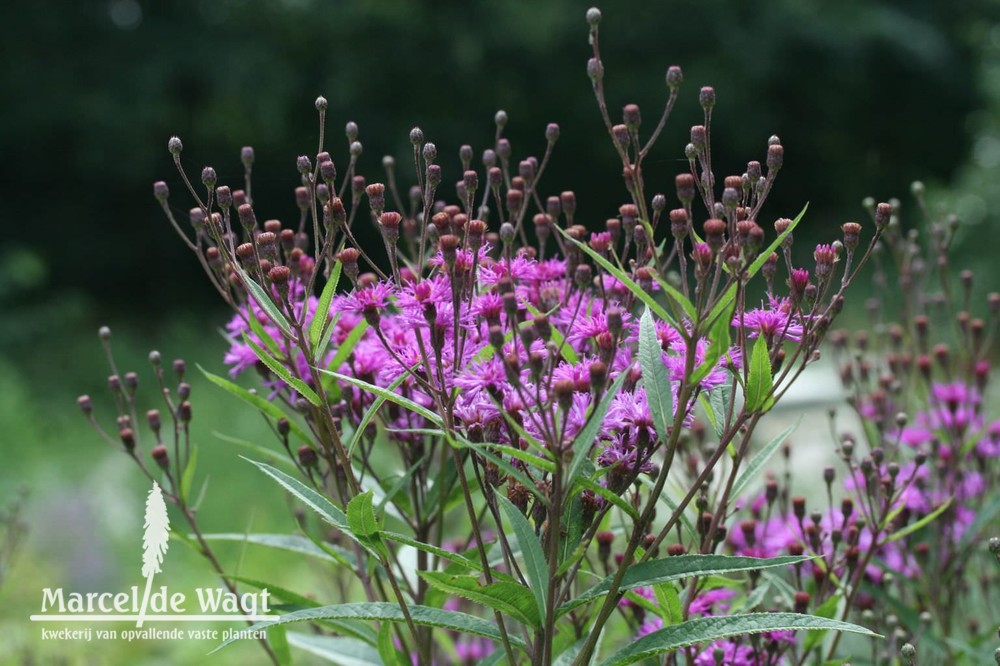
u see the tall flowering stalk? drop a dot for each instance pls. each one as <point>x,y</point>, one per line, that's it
<point>517,395</point>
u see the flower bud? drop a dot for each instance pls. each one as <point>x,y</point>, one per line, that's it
<point>675,77</point>
<point>175,146</point>
<point>706,97</point>
<point>161,191</point>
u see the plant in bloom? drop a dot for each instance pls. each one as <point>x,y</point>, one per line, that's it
<point>528,437</point>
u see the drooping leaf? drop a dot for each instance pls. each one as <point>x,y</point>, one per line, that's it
<point>338,650</point>
<point>292,543</point>
<point>758,462</point>
<point>433,550</point>
<point>263,299</point>
<point>508,597</point>
<point>323,507</point>
<point>256,401</point>
<point>713,628</point>
<point>402,401</point>
<point>535,567</point>
<point>283,373</point>
<point>388,612</point>
<point>666,569</point>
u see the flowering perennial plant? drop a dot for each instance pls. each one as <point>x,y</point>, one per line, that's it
<point>527,437</point>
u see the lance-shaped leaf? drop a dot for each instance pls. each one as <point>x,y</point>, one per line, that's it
<point>255,400</point>
<point>535,567</point>
<point>283,373</point>
<point>321,319</point>
<point>760,381</point>
<point>388,612</point>
<point>584,439</point>
<point>666,569</point>
<point>403,402</point>
<point>506,596</point>
<point>730,294</point>
<point>757,464</point>
<point>323,507</point>
<point>705,630</point>
<point>654,376</point>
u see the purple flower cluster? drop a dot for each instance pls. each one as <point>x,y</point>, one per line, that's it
<point>449,333</point>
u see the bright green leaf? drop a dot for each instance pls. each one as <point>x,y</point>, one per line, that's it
<point>710,629</point>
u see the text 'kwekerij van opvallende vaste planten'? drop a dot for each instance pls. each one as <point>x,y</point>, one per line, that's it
<point>527,437</point>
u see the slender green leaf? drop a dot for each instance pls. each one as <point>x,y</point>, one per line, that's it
<point>730,294</point>
<point>508,597</point>
<point>584,440</point>
<point>914,526</point>
<point>760,381</point>
<point>709,629</point>
<point>673,568</point>
<point>263,299</point>
<point>386,650</point>
<point>685,304</point>
<point>617,500</point>
<point>292,543</point>
<point>361,515</point>
<point>827,609</point>
<point>321,320</point>
<point>274,456</point>
<point>278,638</point>
<point>531,550</point>
<point>406,403</point>
<point>189,469</point>
<point>336,649</point>
<point>323,507</point>
<point>283,373</point>
<point>345,350</point>
<point>670,601</point>
<point>565,349</point>
<point>255,400</point>
<point>719,341</point>
<point>258,328</point>
<point>371,413</point>
<point>757,464</point>
<point>388,612</point>
<point>620,275</point>
<point>654,376</point>
<point>433,550</point>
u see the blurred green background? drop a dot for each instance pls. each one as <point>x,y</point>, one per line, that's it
<point>866,96</point>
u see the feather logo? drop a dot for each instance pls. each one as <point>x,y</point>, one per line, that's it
<point>155,540</point>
